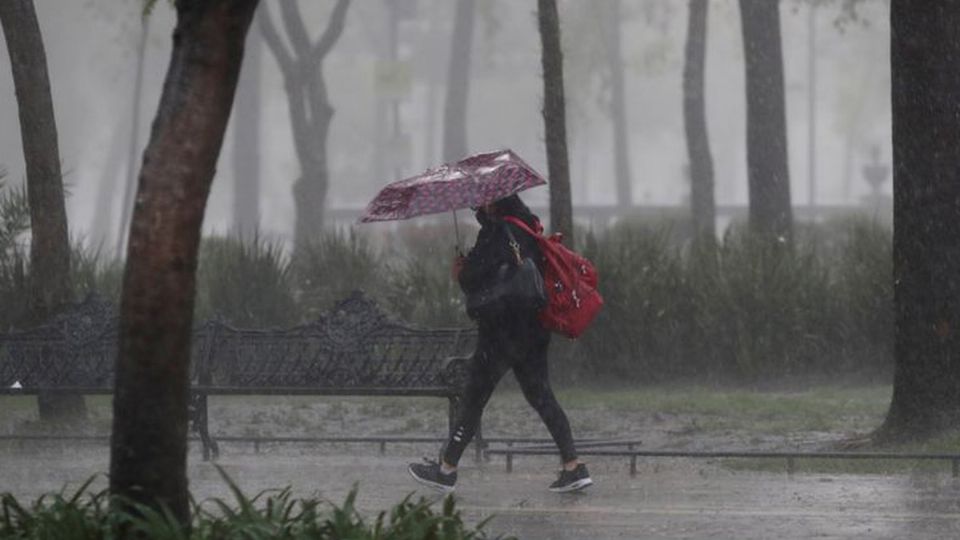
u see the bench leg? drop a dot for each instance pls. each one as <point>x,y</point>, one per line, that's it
<point>201,426</point>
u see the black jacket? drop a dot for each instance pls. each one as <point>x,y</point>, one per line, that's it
<point>492,249</point>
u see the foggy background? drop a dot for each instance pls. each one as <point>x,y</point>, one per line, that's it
<point>91,49</point>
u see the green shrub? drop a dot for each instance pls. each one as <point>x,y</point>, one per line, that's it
<point>270,515</point>
<point>863,258</point>
<point>91,273</point>
<point>734,310</point>
<point>14,225</point>
<point>83,516</point>
<point>642,285</point>
<point>740,309</point>
<point>420,288</point>
<point>771,308</point>
<point>331,267</point>
<point>247,282</point>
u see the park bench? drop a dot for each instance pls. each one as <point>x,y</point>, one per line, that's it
<point>353,350</point>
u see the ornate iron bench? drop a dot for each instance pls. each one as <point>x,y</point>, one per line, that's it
<point>355,350</point>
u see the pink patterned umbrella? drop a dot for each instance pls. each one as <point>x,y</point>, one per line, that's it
<point>471,182</point>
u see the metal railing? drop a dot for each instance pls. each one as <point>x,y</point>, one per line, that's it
<point>258,440</point>
<point>790,457</point>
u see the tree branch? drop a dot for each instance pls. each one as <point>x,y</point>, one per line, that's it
<point>274,43</point>
<point>296,31</point>
<point>333,31</point>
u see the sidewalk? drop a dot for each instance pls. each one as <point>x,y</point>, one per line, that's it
<point>669,498</point>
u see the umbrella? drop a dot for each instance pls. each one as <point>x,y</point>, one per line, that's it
<point>469,183</point>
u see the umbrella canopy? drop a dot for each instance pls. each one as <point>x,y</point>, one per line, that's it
<point>471,182</point>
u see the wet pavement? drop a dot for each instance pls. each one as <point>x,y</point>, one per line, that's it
<point>668,498</point>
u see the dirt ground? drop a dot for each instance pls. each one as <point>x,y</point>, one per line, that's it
<point>668,498</point>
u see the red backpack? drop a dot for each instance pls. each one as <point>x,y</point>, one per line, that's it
<point>571,280</point>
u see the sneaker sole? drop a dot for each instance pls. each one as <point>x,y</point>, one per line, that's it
<point>575,486</point>
<point>428,483</point>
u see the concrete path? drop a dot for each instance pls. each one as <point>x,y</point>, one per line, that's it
<point>667,499</point>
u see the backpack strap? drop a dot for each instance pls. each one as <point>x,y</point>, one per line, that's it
<point>514,245</point>
<point>522,224</point>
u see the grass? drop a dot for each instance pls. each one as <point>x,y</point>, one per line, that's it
<point>822,408</point>
<point>946,444</point>
<point>18,403</point>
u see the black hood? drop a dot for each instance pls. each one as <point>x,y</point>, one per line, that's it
<point>510,206</point>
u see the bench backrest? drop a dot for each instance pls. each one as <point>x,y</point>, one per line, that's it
<point>355,345</point>
<point>75,349</point>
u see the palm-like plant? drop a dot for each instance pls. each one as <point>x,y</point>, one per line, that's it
<point>14,225</point>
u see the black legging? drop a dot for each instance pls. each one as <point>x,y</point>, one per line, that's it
<point>518,342</point>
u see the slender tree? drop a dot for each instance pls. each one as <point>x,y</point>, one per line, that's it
<point>429,48</point>
<point>309,105</point>
<point>149,444</point>
<point>133,142</point>
<point>554,119</point>
<point>102,226</point>
<point>703,207</point>
<point>458,82</point>
<point>924,48</point>
<point>768,174</point>
<point>50,244</point>
<point>246,141</point>
<point>618,106</point>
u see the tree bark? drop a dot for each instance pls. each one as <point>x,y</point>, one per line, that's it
<point>925,45</point>
<point>149,443</point>
<point>554,120</point>
<point>458,82</point>
<point>49,280</point>
<point>768,173</point>
<point>618,109</point>
<point>703,206</point>
<point>246,142</point>
<point>310,110</point>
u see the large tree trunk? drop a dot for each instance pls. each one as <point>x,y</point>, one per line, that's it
<point>50,243</point>
<point>703,207</point>
<point>618,109</point>
<point>310,110</point>
<point>555,120</point>
<point>246,142</point>
<point>149,444</point>
<point>458,82</point>
<point>925,46</point>
<point>768,174</point>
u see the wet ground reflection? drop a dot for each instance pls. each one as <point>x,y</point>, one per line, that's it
<point>667,499</point>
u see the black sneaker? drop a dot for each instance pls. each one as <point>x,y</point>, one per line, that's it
<point>428,474</point>
<point>574,480</point>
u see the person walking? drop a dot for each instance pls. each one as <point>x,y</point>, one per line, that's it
<point>509,337</point>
